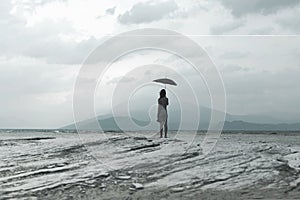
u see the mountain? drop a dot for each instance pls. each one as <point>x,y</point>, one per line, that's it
<point>107,123</point>
<point>259,118</point>
<point>247,126</point>
<point>144,122</point>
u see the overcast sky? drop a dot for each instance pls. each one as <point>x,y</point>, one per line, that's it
<point>254,44</point>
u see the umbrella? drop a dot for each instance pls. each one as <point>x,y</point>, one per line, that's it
<point>165,81</point>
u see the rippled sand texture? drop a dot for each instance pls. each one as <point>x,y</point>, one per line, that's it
<point>122,166</point>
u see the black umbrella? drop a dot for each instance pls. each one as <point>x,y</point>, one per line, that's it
<point>165,81</point>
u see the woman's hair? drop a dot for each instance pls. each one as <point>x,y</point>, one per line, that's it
<point>162,93</point>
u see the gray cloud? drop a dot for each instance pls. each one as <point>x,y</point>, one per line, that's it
<point>35,93</point>
<point>40,41</point>
<point>290,20</point>
<point>121,79</point>
<point>273,91</point>
<point>4,9</point>
<point>33,4</point>
<point>234,68</point>
<point>147,12</point>
<point>234,55</point>
<point>226,27</point>
<point>239,8</point>
<point>293,25</point>
<point>110,11</point>
<point>262,31</point>
<point>37,65</point>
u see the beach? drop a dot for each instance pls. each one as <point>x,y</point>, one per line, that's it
<point>63,165</point>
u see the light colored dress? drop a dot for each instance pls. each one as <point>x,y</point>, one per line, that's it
<point>162,114</point>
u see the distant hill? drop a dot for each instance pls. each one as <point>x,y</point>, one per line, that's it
<point>247,126</point>
<point>107,124</point>
<point>141,118</point>
<point>110,124</point>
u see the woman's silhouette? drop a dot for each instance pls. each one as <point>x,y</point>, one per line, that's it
<point>162,114</point>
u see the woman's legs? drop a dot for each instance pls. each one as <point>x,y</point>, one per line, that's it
<point>166,128</point>
<point>161,129</point>
<point>164,125</point>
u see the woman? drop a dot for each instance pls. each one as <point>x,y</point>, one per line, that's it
<point>162,114</point>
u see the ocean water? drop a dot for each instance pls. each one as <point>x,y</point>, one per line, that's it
<point>43,163</point>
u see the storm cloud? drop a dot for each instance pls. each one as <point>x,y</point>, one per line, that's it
<point>43,43</point>
<point>239,8</point>
<point>146,12</point>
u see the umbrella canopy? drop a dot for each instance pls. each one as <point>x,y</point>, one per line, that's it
<point>165,81</point>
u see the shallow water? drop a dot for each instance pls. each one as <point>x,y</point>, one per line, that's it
<point>35,163</point>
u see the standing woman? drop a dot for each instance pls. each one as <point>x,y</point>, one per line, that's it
<point>162,114</point>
